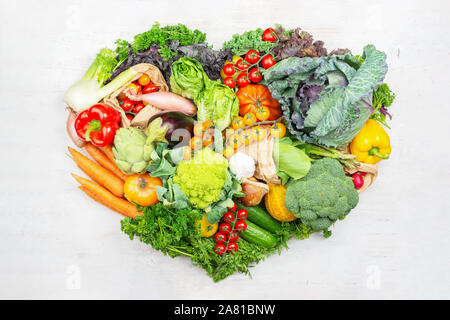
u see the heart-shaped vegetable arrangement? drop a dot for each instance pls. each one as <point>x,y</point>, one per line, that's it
<point>224,155</point>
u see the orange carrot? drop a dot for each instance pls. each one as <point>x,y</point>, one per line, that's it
<point>118,204</point>
<point>99,174</point>
<point>98,199</point>
<point>104,161</point>
<point>108,151</point>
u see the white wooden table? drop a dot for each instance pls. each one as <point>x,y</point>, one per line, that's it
<point>57,243</point>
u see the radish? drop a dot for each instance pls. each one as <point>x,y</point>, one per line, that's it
<point>358,180</point>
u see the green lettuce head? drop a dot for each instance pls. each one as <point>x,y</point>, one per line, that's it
<point>218,103</point>
<point>188,77</point>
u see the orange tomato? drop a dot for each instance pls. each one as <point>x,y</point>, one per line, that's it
<point>250,118</point>
<point>260,133</point>
<point>196,143</point>
<point>198,129</point>
<point>278,130</point>
<point>187,153</point>
<point>141,189</point>
<point>228,152</point>
<point>237,123</point>
<point>235,141</point>
<point>253,96</point>
<point>144,80</point>
<point>263,113</point>
<point>248,136</point>
<point>207,139</point>
<point>208,124</point>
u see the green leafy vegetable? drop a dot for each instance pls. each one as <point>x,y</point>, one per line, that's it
<point>240,44</point>
<point>291,161</point>
<point>382,99</point>
<point>188,77</point>
<point>163,37</point>
<point>327,99</point>
<point>219,103</point>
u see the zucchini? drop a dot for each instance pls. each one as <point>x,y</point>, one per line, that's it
<point>260,217</point>
<point>258,235</point>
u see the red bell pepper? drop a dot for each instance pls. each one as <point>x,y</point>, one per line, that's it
<point>98,124</point>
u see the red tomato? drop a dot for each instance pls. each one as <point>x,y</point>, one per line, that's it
<point>229,69</point>
<point>229,82</point>
<point>150,88</point>
<point>252,56</point>
<point>268,61</point>
<point>241,64</point>
<point>232,247</point>
<point>233,208</point>
<point>144,80</point>
<point>242,214</point>
<point>241,226</point>
<point>225,228</point>
<point>130,116</point>
<point>242,80</point>
<point>234,236</point>
<point>127,104</point>
<point>269,35</point>
<point>220,249</point>
<point>228,217</point>
<point>138,107</point>
<point>220,237</point>
<point>254,75</point>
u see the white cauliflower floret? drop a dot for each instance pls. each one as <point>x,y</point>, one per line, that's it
<point>242,165</point>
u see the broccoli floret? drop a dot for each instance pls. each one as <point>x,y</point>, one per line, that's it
<point>324,195</point>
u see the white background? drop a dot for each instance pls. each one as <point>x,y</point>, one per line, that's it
<point>57,243</point>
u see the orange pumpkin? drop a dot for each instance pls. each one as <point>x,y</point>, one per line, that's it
<point>141,189</point>
<point>254,96</point>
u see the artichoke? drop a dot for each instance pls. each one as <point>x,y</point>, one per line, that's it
<point>129,150</point>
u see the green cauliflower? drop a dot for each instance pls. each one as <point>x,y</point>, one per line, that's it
<point>324,195</point>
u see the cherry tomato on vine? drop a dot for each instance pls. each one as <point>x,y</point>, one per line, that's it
<point>207,139</point>
<point>235,141</point>
<point>187,153</point>
<point>129,116</point>
<point>138,107</point>
<point>237,123</point>
<point>229,82</point>
<point>228,69</point>
<point>241,64</point>
<point>220,237</point>
<point>269,35</point>
<point>150,88</point>
<point>263,113</point>
<point>268,61</point>
<point>232,247</point>
<point>234,236</point>
<point>248,136</point>
<point>278,130</point>
<point>196,143</point>
<point>241,226</point>
<point>242,80</point>
<point>225,228</point>
<point>260,133</point>
<point>220,249</point>
<point>198,129</point>
<point>252,56</point>
<point>249,118</point>
<point>228,151</point>
<point>144,80</point>
<point>228,217</point>
<point>254,75</point>
<point>127,104</point>
<point>242,214</point>
<point>233,208</point>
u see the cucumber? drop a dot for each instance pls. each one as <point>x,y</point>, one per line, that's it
<point>258,235</point>
<point>260,217</point>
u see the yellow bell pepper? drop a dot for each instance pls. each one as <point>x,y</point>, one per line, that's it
<point>235,59</point>
<point>371,144</point>
<point>207,229</point>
